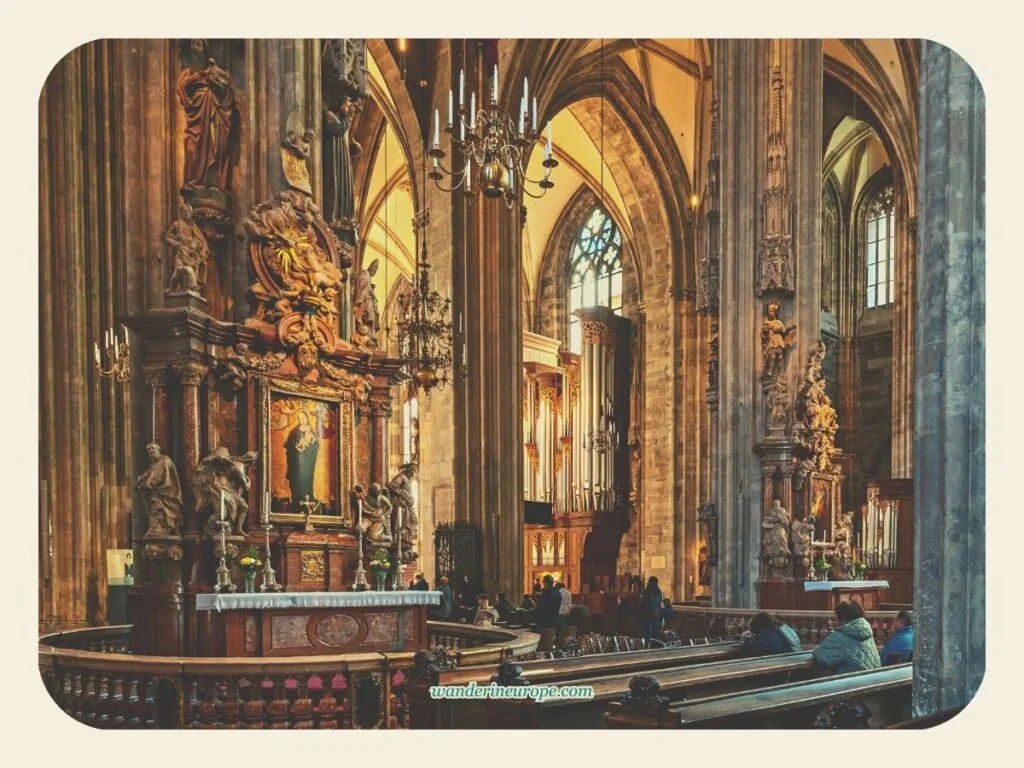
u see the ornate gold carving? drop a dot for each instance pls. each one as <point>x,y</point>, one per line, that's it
<point>595,332</point>
<point>313,568</point>
<point>294,154</point>
<point>295,258</point>
<point>558,461</point>
<point>268,361</point>
<point>572,376</point>
<point>818,424</point>
<point>776,338</point>
<point>548,394</point>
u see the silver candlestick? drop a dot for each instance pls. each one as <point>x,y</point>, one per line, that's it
<point>360,585</point>
<point>269,577</point>
<point>223,574</point>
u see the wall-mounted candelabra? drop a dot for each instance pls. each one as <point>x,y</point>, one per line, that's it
<point>117,353</point>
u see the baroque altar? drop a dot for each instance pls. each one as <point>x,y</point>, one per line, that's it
<point>268,419</point>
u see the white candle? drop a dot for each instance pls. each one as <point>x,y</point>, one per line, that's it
<point>522,110</point>
<point>534,122</point>
<point>460,322</point>
<point>547,150</point>
<point>462,87</point>
<point>494,86</point>
<point>223,508</point>
<point>437,129</point>
<point>359,524</point>
<point>472,110</point>
<point>451,109</point>
<point>266,507</point>
<point>526,91</point>
<point>469,175</point>
<point>125,329</point>
<point>96,349</point>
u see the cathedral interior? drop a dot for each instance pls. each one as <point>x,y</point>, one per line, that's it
<point>318,316</point>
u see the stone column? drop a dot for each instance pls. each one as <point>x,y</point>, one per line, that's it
<point>380,412</point>
<point>949,376</point>
<point>156,376</point>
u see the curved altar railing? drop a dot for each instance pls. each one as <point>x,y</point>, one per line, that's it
<point>95,679</point>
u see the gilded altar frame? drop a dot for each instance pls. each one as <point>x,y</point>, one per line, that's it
<point>268,386</point>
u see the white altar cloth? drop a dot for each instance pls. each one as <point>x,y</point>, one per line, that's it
<point>824,586</point>
<point>272,600</point>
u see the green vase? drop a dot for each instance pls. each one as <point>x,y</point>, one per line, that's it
<point>250,579</point>
<point>381,578</point>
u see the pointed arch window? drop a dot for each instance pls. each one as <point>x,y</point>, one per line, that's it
<point>880,243</point>
<point>595,271</point>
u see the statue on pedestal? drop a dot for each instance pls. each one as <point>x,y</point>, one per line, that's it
<point>376,523</point>
<point>162,489</point>
<point>775,539</point>
<point>776,338</point>
<point>189,252</point>
<point>802,536</point>
<point>400,489</point>
<point>211,120</point>
<point>365,308</point>
<point>220,471</point>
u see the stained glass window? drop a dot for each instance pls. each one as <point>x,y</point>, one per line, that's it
<point>879,239</point>
<point>595,271</point>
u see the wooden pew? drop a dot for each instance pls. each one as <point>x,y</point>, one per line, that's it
<point>427,712</point>
<point>676,684</point>
<point>819,703</point>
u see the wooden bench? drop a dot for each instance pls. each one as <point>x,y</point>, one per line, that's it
<point>885,693</point>
<point>677,684</point>
<point>428,712</point>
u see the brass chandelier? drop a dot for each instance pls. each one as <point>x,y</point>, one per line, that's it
<point>426,336</point>
<point>495,148</point>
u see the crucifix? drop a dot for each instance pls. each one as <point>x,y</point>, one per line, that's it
<point>309,507</point>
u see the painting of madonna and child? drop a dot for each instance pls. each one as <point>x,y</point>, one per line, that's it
<point>304,454</point>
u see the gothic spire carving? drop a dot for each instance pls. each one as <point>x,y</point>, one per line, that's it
<point>775,270</point>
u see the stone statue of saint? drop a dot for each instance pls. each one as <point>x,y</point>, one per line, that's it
<point>775,528</point>
<point>338,152</point>
<point>400,489</point>
<point>365,308</point>
<point>778,406</point>
<point>776,337</point>
<point>802,536</point>
<point>159,483</point>
<point>844,528</point>
<point>220,471</point>
<point>188,249</point>
<point>377,515</point>
<point>211,120</point>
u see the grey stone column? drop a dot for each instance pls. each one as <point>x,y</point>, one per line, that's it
<point>949,446</point>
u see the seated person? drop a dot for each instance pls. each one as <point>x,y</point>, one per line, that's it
<point>666,608</point>
<point>549,605</point>
<point>851,646</point>
<point>899,648</point>
<point>420,584</point>
<point>486,615</point>
<point>768,635</point>
<point>504,608</point>
<point>527,603</point>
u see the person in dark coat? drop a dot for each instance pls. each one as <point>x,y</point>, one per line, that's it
<point>549,605</point>
<point>444,610</point>
<point>650,609</point>
<point>768,635</point>
<point>420,584</point>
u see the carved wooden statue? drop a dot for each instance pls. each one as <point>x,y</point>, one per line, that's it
<point>776,338</point>
<point>802,536</point>
<point>776,531</point>
<point>211,119</point>
<point>188,251</point>
<point>338,152</point>
<point>365,307</point>
<point>160,485</point>
<point>222,471</point>
<point>778,407</point>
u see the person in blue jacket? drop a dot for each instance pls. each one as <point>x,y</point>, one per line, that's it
<point>899,648</point>
<point>768,635</point>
